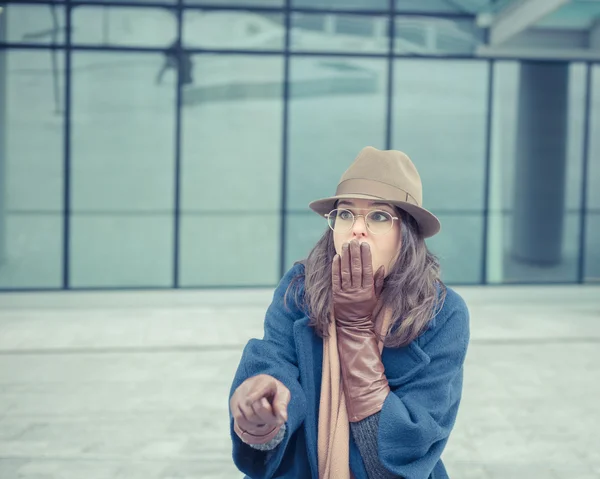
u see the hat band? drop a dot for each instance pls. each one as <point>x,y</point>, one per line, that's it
<point>362,186</point>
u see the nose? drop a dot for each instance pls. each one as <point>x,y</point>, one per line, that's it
<point>359,229</point>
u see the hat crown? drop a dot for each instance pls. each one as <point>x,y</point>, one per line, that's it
<point>383,175</point>
<point>389,167</point>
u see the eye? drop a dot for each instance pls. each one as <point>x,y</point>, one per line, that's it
<point>344,214</point>
<point>380,216</point>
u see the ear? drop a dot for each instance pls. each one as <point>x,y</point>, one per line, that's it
<point>378,280</point>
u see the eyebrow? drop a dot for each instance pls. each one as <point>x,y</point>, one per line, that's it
<point>375,203</point>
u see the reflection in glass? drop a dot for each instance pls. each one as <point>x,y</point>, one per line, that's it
<point>436,36</point>
<point>459,247</point>
<point>446,101</point>
<point>231,171</point>
<point>229,248</point>
<point>127,26</point>
<point>592,248</point>
<point>337,107</point>
<point>342,4</point>
<point>31,169</point>
<point>34,23</point>
<point>233,29</point>
<point>442,6</point>
<point>303,230</point>
<point>132,1</point>
<point>122,149</point>
<point>535,218</point>
<point>339,32</point>
<point>250,3</point>
<point>592,245</point>
<point>593,173</point>
<point>121,250</point>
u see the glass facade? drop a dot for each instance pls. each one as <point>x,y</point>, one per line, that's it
<point>177,143</point>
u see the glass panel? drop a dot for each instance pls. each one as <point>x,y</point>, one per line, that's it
<point>234,29</point>
<point>139,26</point>
<point>31,254</point>
<point>459,247</point>
<point>122,164</point>
<point>34,23</point>
<point>230,248</point>
<point>342,4</point>
<point>446,101</point>
<point>575,136</point>
<point>131,1</point>
<point>303,230</point>
<point>31,168</point>
<point>339,32</point>
<point>574,15</point>
<point>592,248</point>
<point>252,3</point>
<point>535,172</point>
<point>442,6</point>
<point>337,107</point>
<point>127,250</point>
<point>232,127</point>
<point>436,36</point>
<point>593,173</point>
<point>516,270</point>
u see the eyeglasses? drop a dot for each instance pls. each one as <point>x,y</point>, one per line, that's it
<point>378,222</point>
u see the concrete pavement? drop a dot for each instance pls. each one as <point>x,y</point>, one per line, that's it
<point>134,384</point>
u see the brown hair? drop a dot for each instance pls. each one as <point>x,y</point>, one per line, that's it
<point>413,288</point>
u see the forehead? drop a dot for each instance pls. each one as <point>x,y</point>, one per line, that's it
<point>364,204</point>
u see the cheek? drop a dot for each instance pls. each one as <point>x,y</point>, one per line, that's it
<point>338,241</point>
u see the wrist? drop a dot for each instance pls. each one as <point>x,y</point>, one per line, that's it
<point>252,438</point>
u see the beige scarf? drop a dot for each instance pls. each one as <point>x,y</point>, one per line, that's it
<point>334,427</point>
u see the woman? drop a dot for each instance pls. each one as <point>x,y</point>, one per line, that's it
<point>359,373</point>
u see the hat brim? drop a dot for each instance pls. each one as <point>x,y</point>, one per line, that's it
<point>428,223</point>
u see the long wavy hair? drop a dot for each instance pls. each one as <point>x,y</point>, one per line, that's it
<point>413,288</point>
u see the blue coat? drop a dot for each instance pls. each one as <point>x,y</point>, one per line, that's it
<point>425,378</point>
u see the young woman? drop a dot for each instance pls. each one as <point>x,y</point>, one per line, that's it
<point>359,373</point>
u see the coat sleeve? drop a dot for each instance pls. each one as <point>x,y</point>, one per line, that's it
<point>274,355</point>
<point>417,418</point>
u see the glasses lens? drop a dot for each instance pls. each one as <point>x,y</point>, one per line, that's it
<point>340,220</point>
<point>379,222</point>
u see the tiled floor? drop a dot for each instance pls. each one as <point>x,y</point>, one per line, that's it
<point>134,385</point>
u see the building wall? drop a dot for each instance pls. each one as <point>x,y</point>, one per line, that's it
<point>117,177</point>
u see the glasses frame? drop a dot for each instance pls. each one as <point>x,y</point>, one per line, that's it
<point>354,216</point>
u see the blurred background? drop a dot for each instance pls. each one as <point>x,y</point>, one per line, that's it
<point>157,159</point>
<point>175,144</point>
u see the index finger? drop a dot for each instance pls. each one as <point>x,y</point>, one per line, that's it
<point>355,258</point>
<point>280,403</point>
<point>367,266</point>
<point>265,387</point>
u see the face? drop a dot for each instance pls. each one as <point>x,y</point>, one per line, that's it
<point>384,247</point>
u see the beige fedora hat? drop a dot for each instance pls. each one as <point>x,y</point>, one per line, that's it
<point>384,175</point>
